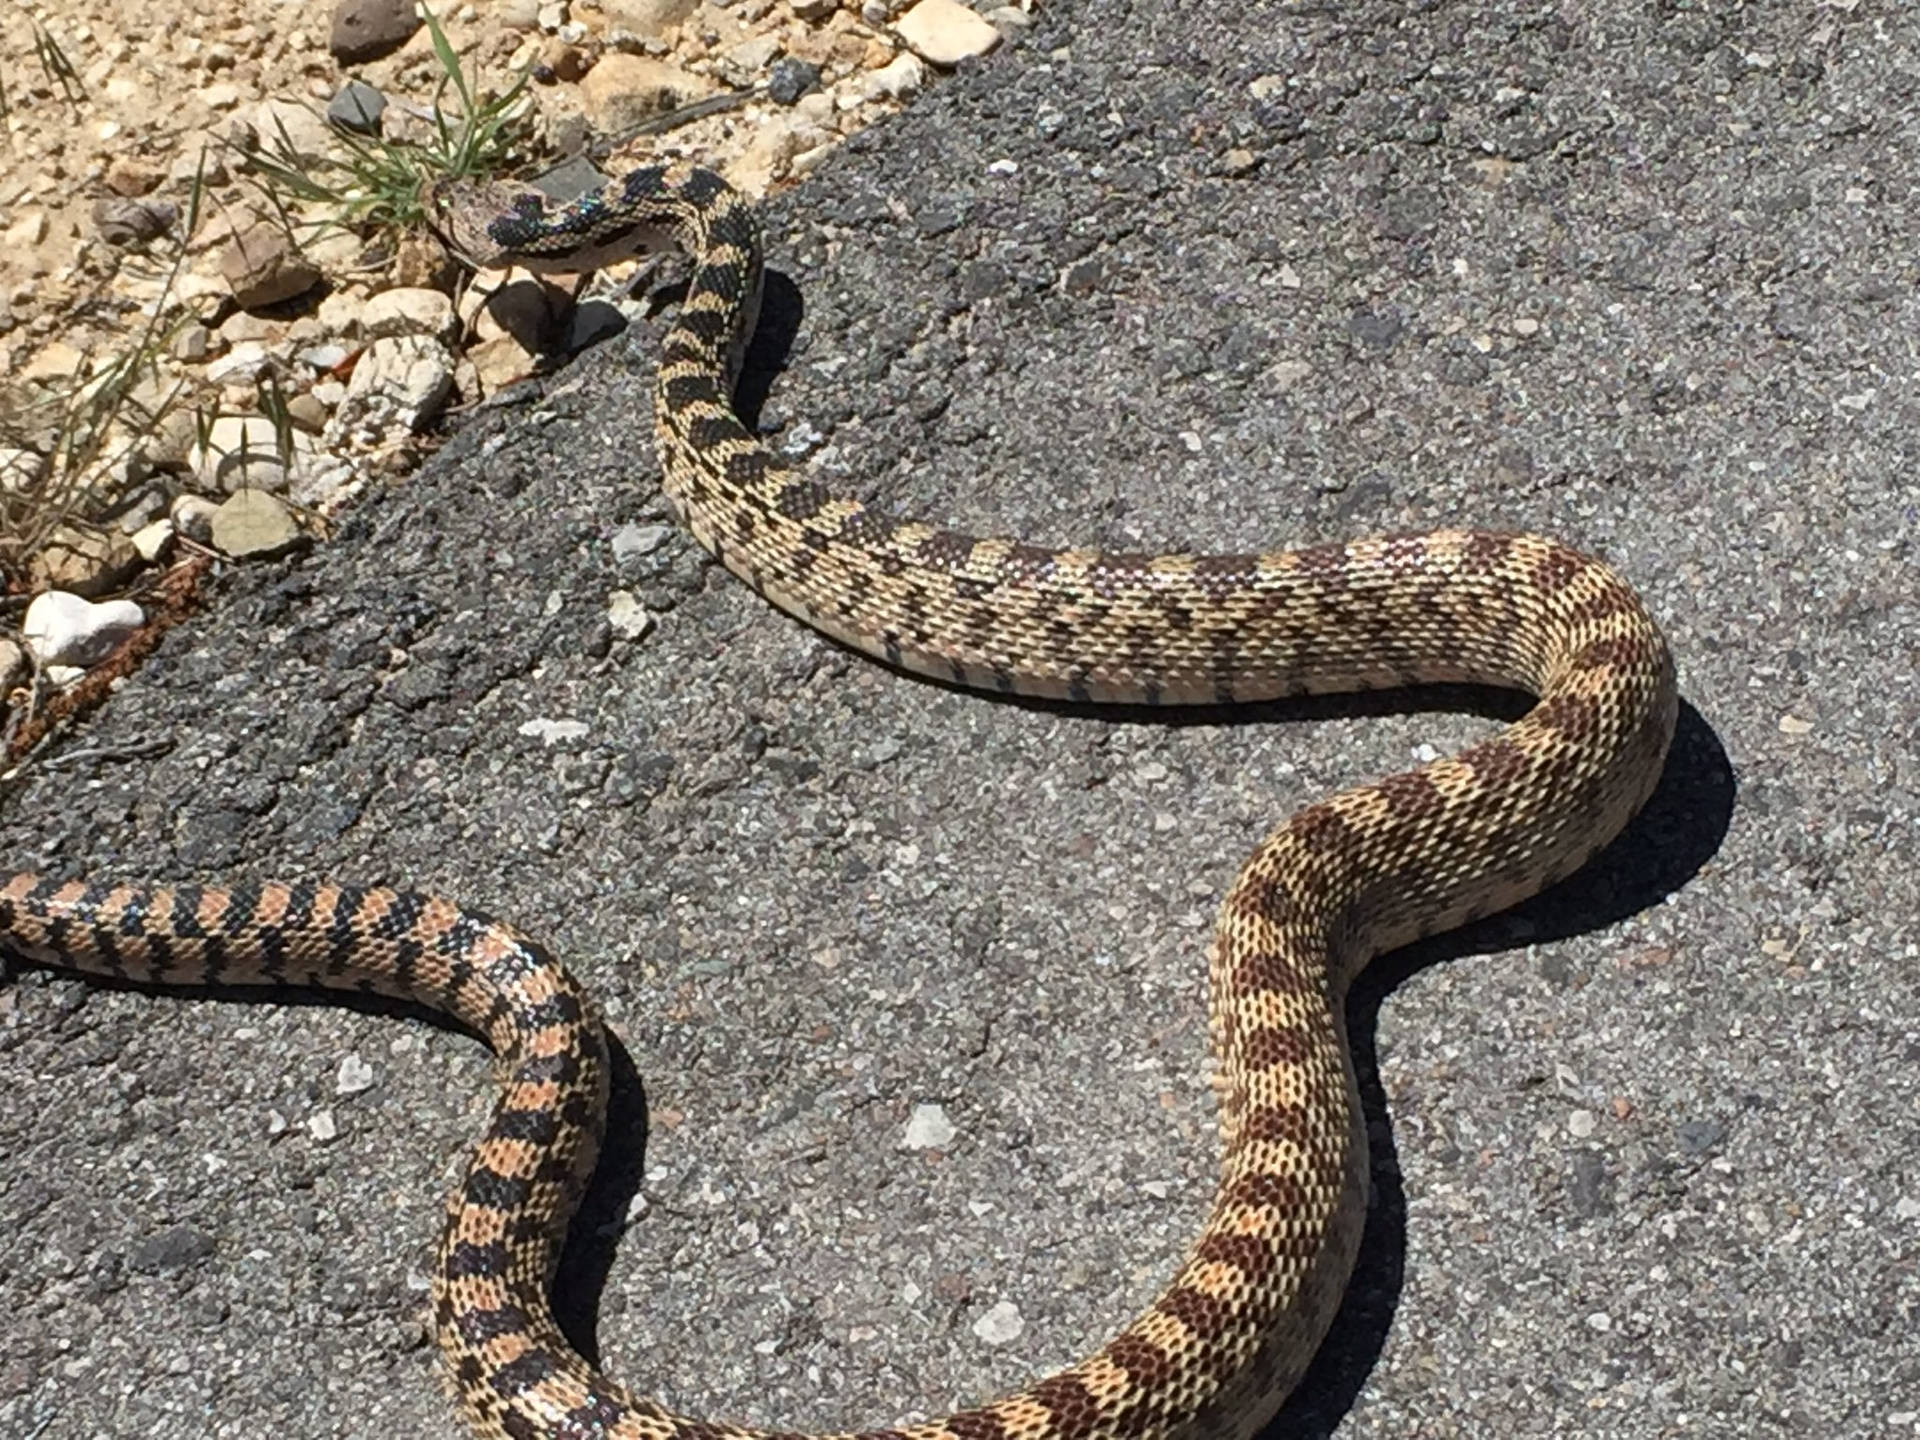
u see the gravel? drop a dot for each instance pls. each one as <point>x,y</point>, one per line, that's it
<point>1644,1150</point>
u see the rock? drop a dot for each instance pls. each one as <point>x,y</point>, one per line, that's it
<point>133,222</point>
<point>790,79</point>
<point>87,562</point>
<point>367,29</point>
<point>567,63</point>
<point>240,452</point>
<point>928,1128</point>
<point>519,14</point>
<point>591,322</point>
<point>21,470</point>
<point>192,516</point>
<point>945,32</point>
<point>56,361</point>
<point>291,133</point>
<point>62,628</point>
<point>255,525</point>
<point>263,266</point>
<point>750,57</point>
<point>13,667</point>
<point>499,361</point>
<point>1002,1324</point>
<point>899,78</point>
<point>354,1077</point>
<point>627,617</point>
<point>623,91</point>
<point>356,106</point>
<point>130,177</point>
<point>193,343</point>
<point>647,18</point>
<point>308,411</point>
<point>247,362</point>
<point>815,10</point>
<point>153,539</point>
<point>400,380</point>
<point>409,311</point>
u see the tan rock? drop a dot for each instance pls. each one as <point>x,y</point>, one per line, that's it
<point>623,91</point>
<point>131,177</point>
<point>946,32</point>
<point>647,17</point>
<point>84,561</point>
<point>253,524</point>
<point>263,266</point>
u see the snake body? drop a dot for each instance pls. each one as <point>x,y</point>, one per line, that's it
<point>1346,878</point>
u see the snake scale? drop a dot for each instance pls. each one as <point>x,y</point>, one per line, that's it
<point>1346,878</point>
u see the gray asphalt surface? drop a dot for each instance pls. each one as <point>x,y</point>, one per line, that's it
<point>1640,276</point>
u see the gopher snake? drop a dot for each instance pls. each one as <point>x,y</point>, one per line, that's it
<point>1365,871</point>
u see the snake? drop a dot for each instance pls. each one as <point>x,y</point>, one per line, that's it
<point>1350,876</point>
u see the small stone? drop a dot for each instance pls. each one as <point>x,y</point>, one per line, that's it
<point>357,106</point>
<point>1001,1325</point>
<point>750,57</point>
<point>553,732</point>
<point>815,10</point>
<point>1794,725</point>
<point>623,91</point>
<point>85,561</point>
<point>631,541</point>
<point>1601,1321</point>
<point>567,63</point>
<point>353,1077</point>
<point>263,266</point>
<point>519,14</point>
<point>131,178</point>
<point>240,452</point>
<point>291,133</point>
<point>62,628</point>
<point>247,362</point>
<point>254,525</point>
<point>322,1126</point>
<point>223,96</point>
<point>55,361</point>
<point>1906,1208</point>
<point>367,29</point>
<point>192,516</point>
<point>308,411</point>
<point>1009,17</point>
<point>13,666</point>
<point>901,77</point>
<point>193,343</point>
<point>20,469</point>
<point>946,32</point>
<point>928,1129</point>
<point>790,79</point>
<point>591,322</point>
<point>627,616</point>
<point>647,18</point>
<point>1580,1124</point>
<point>153,539</point>
<point>409,311</point>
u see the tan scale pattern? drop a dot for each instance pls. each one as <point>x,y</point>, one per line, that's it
<point>1362,872</point>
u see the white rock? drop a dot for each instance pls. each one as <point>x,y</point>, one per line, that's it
<point>410,310</point>
<point>946,32</point>
<point>247,361</point>
<point>627,616</point>
<point>1001,1325</point>
<point>20,469</point>
<point>631,541</point>
<point>240,450</point>
<point>900,77</point>
<point>65,629</point>
<point>153,538</point>
<point>928,1128</point>
<point>354,1076</point>
<point>321,1126</point>
<point>401,380</point>
<point>192,516</point>
<point>551,732</point>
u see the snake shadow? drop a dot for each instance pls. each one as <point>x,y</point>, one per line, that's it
<point>1678,831</point>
